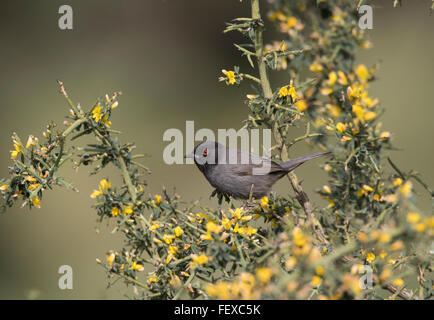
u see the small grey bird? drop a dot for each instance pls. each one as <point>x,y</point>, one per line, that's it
<point>238,173</point>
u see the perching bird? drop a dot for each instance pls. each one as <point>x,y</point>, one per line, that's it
<point>238,173</point>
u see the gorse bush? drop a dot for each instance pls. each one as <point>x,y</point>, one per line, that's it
<point>279,247</point>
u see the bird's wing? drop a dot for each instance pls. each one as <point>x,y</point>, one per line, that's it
<point>246,161</point>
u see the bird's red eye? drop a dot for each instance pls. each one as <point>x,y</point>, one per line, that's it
<point>205,152</point>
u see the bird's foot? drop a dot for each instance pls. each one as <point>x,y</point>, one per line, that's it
<point>250,204</point>
<point>220,195</point>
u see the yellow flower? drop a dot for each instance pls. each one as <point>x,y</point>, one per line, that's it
<point>383,254</point>
<point>341,127</point>
<point>319,270</point>
<point>355,268</point>
<point>111,258</point>
<point>96,113</point>
<point>157,241</point>
<point>239,230</point>
<point>153,278</point>
<point>342,78</point>
<point>397,182</point>
<point>34,186</point>
<point>352,282</point>
<point>4,187</point>
<point>248,218</point>
<point>370,257</point>
<point>405,189</point>
<point>178,231</point>
<point>283,92</point>
<point>264,275</point>
<point>106,121</point>
<point>17,147</point>
<point>230,77</point>
<point>212,227</point>
<point>128,210</point>
<point>264,202</point>
<point>413,217</point>
<point>385,135</point>
<point>226,223</point>
<point>207,236</point>
<point>326,91</point>
<point>316,281</point>
<point>363,237</point>
<point>370,115</point>
<point>158,199</point>
<point>334,110</point>
<point>236,213</point>
<point>362,115</point>
<point>137,267</point>
<point>301,105</point>
<point>291,22</point>
<point>114,105</point>
<point>95,194</point>
<point>385,237</point>
<point>398,282</point>
<point>397,245</point>
<point>327,189</point>
<point>290,263</point>
<point>200,216</point>
<point>30,179</point>
<point>362,73</point>
<point>430,222</point>
<point>169,258</point>
<point>292,92</point>
<point>316,67</point>
<point>298,237</point>
<point>385,274</point>
<point>198,260</point>
<point>332,78</point>
<point>377,197</point>
<point>172,249</point>
<point>154,226</point>
<point>36,202</point>
<point>251,231</point>
<point>103,185</point>
<point>168,238</point>
<point>391,198</point>
<point>115,211</point>
<point>367,188</point>
<point>419,227</point>
<point>291,286</point>
<point>31,141</point>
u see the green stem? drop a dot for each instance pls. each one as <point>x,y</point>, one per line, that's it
<point>259,48</point>
<point>250,77</point>
<point>302,197</point>
<point>127,179</point>
<point>72,127</point>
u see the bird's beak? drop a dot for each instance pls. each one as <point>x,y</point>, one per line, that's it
<point>189,155</point>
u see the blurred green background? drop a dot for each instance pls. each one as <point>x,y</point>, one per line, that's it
<point>165,56</point>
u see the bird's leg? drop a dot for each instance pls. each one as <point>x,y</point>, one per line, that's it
<point>213,194</point>
<point>220,196</point>
<point>249,204</point>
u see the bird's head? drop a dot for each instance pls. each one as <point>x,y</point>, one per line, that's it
<point>206,154</point>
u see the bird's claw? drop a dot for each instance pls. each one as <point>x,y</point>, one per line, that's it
<point>220,196</point>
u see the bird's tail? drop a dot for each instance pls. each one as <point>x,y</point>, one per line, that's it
<point>294,163</point>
